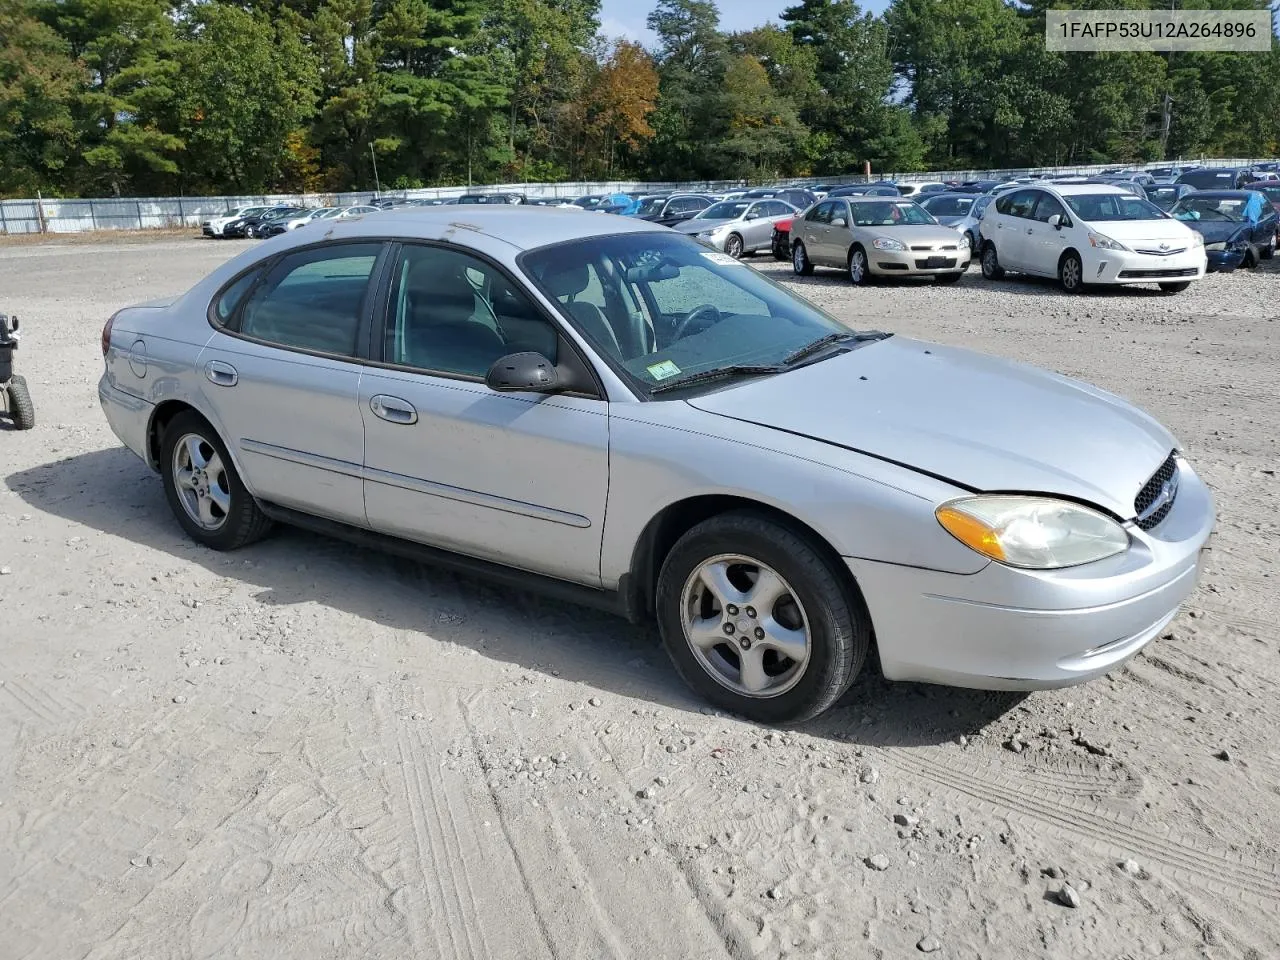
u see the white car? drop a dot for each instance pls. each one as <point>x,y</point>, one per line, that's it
<point>927,186</point>
<point>1086,234</point>
<point>302,220</point>
<point>214,226</point>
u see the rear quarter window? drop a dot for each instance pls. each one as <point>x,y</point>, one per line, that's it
<point>231,296</point>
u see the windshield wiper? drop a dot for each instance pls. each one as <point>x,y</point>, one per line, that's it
<point>822,343</point>
<point>720,373</point>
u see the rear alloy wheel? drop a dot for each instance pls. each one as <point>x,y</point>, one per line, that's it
<point>800,260</point>
<point>859,270</point>
<point>203,489</point>
<point>1071,273</point>
<point>991,268</point>
<point>1177,287</point>
<point>757,620</point>
<point>733,246</point>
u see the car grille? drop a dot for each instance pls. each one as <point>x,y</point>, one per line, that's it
<point>926,248</point>
<point>1152,491</point>
<point>1156,274</point>
<point>944,265</point>
<point>1159,253</point>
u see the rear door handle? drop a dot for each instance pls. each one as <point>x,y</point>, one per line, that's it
<point>223,374</point>
<point>393,409</point>
<point>1029,231</point>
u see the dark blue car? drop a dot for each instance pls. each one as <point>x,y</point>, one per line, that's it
<point>1238,226</point>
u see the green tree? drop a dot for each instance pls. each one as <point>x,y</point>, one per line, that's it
<point>38,85</point>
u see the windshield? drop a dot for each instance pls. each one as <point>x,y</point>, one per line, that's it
<point>887,213</point>
<point>661,306</point>
<point>948,206</point>
<point>1109,207</point>
<point>1223,209</point>
<point>1271,191</point>
<point>651,206</point>
<point>724,211</point>
<point>1163,197</point>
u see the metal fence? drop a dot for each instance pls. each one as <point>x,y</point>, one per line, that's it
<point>49,215</point>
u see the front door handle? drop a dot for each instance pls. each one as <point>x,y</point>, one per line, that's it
<point>393,409</point>
<point>223,374</point>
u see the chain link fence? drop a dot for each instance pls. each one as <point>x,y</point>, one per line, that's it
<point>50,215</point>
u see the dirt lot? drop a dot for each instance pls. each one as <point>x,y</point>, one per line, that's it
<point>310,751</point>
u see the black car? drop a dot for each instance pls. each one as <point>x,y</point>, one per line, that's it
<point>248,226</point>
<point>1217,178</point>
<point>1238,226</point>
<point>508,198</point>
<point>672,209</point>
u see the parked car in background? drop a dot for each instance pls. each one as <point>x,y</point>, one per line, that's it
<point>1239,227</point>
<point>1165,195</point>
<point>877,236</point>
<point>1168,174</point>
<point>248,226</point>
<point>215,226</point>
<point>979,186</point>
<point>780,244</point>
<point>1269,189</point>
<point>884,189</point>
<point>272,228</point>
<point>788,499</point>
<point>1217,178</point>
<point>797,197</point>
<point>1084,234</point>
<point>961,212</point>
<point>489,198</point>
<point>915,189</point>
<point>738,227</point>
<point>672,209</point>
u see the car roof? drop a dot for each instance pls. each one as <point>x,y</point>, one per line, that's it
<point>520,226</point>
<point>1076,189</point>
<point>1225,194</point>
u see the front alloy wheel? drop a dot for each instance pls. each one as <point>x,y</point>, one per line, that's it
<point>758,620</point>
<point>733,246</point>
<point>1071,273</point>
<point>859,272</point>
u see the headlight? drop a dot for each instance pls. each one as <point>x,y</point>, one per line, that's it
<point>1215,246</point>
<point>1238,243</point>
<point>1196,239</point>
<point>964,241</point>
<point>1036,533</point>
<point>887,243</point>
<point>1105,243</point>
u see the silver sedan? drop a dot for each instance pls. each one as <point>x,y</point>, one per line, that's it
<point>789,499</point>
<point>738,227</point>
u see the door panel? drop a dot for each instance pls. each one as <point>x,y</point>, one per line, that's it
<point>1044,244</point>
<point>517,478</point>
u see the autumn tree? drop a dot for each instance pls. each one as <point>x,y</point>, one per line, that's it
<point>618,103</point>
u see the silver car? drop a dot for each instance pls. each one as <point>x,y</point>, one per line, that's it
<point>962,212</point>
<point>738,227</point>
<point>622,416</point>
<point>877,236</point>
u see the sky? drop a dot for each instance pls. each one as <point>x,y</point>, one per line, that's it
<point>625,18</point>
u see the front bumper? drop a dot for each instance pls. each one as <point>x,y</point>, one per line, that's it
<point>915,263</point>
<point>127,415</point>
<point>1126,266</point>
<point>1224,261</point>
<point>1008,629</point>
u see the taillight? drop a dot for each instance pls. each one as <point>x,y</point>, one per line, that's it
<point>106,334</point>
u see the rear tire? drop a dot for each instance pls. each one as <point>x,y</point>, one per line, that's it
<point>800,262</point>
<point>780,251</point>
<point>21,410</point>
<point>238,521</point>
<point>834,630</point>
<point>991,268</point>
<point>1175,287</point>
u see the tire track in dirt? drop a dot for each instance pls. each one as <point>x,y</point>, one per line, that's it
<point>1121,835</point>
<point>30,700</point>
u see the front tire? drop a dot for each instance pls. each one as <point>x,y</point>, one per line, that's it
<point>204,491</point>
<point>859,268</point>
<point>1071,273</point>
<point>991,269</point>
<point>758,621</point>
<point>800,262</point>
<point>1177,287</point>
<point>733,246</point>
<point>21,410</point>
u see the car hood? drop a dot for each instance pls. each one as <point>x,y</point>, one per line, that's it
<point>698,226</point>
<point>1216,231</point>
<point>979,422</point>
<point>1143,232</point>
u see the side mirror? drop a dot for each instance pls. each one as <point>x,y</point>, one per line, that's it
<point>752,216</point>
<point>839,222</point>
<point>1055,221</point>
<point>523,372</point>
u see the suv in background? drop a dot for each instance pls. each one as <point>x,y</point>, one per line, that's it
<point>1217,178</point>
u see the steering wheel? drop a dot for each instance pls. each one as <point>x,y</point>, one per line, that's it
<point>707,314</point>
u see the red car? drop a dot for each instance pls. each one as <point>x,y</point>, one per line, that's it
<point>782,240</point>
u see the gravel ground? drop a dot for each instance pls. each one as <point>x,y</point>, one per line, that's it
<point>312,751</point>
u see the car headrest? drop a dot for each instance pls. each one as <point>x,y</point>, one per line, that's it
<point>568,282</point>
<point>436,278</point>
